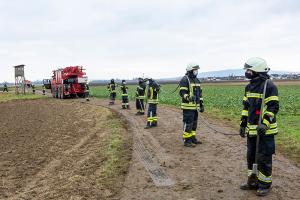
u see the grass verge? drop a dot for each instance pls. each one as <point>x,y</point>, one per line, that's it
<point>117,153</point>
<point>12,96</point>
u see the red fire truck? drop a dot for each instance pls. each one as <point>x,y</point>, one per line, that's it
<point>68,82</point>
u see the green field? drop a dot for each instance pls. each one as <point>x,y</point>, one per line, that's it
<point>12,96</point>
<point>225,101</point>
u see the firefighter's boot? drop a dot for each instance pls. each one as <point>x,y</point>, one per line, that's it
<point>148,125</point>
<point>154,123</point>
<point>263,191</point>
<point>251,183</point>
<point>188,143</point>
<point>195,141</point>
<point>123,107</point>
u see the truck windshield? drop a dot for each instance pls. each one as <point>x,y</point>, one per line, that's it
<point>70,80</point>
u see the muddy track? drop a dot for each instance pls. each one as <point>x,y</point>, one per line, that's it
<point>212,170</point>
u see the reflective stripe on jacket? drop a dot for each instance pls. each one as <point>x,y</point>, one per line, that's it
<point>191,93</point>
<point>252,104</point>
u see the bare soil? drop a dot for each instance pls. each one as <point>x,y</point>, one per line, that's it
<point>41,161</point>
<point>51,149</point>
<point>212,170</point>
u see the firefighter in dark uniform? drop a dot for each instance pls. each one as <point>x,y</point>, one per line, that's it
<point>140,97</point>
<point>152,96</point>
<point>33,89</point>
<point>87,92</point>
<point>256,71</point>
<point>192,102</point>
<point>5,88</point>
<point>44,90</point>
<point>124,90</point>
<point>111,87</point>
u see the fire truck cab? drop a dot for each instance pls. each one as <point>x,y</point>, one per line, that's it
<point>68,82</point>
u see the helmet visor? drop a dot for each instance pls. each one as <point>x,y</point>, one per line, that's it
<point>246,66</point>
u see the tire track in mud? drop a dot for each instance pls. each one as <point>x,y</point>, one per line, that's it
<point>212,170</point>
<point>157,173</point>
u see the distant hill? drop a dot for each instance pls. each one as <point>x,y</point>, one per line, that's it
<point>234,72</point>
<point>220,73</point>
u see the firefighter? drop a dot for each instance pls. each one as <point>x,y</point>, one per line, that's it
<point>152,96</point>
<point>87,92</point>
<point>44,89</point>
<point>33,89</point>
<point>112,91</point>
<point>124,90</point>
<point>140,97</point>
<point>257,72</point>
<point>192,102</point>
<point>5,88</point>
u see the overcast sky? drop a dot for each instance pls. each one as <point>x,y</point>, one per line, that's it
<point>129,38</point>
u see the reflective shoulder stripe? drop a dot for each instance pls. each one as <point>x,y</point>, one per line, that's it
<point>183,88</point>
<point>245,113</point>
<point>253,95</point>
<point>271,98</point>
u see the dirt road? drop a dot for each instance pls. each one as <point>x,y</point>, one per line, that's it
<point>162,168</point>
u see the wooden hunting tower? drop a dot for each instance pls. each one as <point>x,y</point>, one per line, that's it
<point>19,79</point>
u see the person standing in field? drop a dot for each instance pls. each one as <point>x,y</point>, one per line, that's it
<point>44,90</point>
<point>87,92</point>
<point>140,97</point>
<point>111,87</point>
<point>152,96</point>
<point>124,90</point>
<point>259,88</point>
<point>33,89</point>
<point>192,102</point>
<point>5,88</point>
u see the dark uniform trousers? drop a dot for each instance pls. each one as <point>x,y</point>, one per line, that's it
<point>151,114</point>
<point>139,103</point>
<point>113,96</point>
<point>264,158</point>
<point>125,101</point>
<point>190,120</point>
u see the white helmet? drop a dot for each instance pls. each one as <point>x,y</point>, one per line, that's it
<point>257,64</point>
<point>192,66</point>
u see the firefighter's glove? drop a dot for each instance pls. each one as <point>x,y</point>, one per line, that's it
<point>192,98</point>
<point>201,108</point>
<point>262,129</point>
<point>242,131</point>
